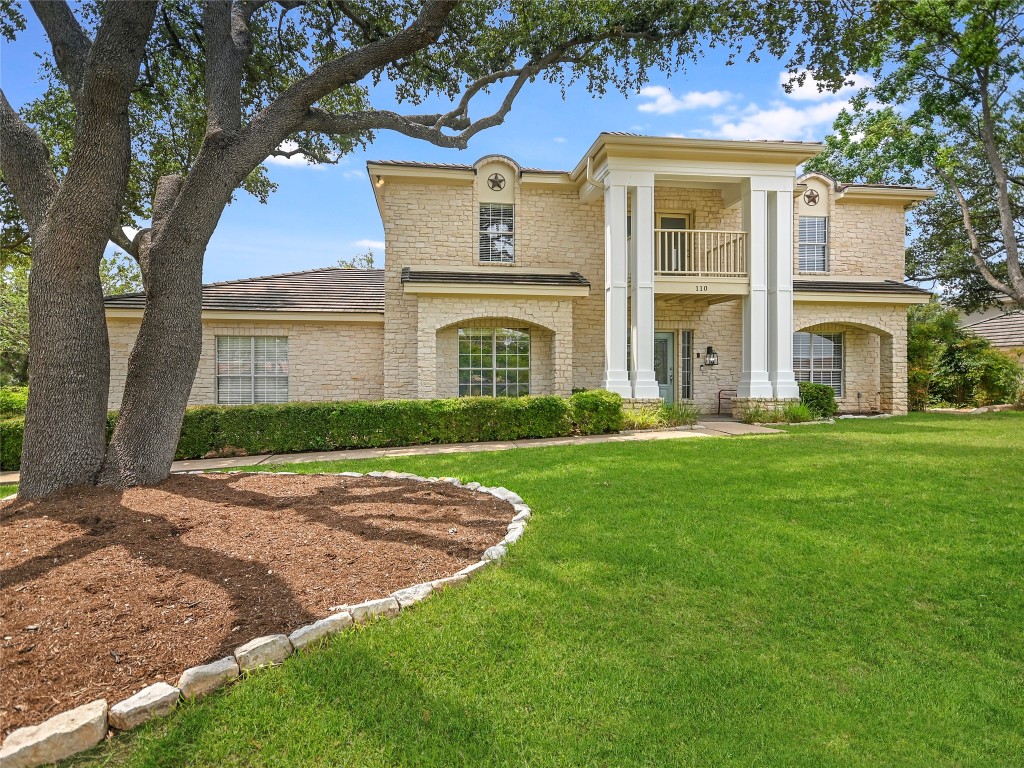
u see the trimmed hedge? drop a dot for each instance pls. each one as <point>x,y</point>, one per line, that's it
<point>820,398</point>
<point>13,401</point>
<point>596,412</point>
<point>218,430</point>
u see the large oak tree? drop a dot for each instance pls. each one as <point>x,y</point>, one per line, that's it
<point>159,112</point>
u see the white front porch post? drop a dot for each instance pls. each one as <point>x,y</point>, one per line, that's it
<point>754,381</point>
<point>616,379</point>
<point>645,385</point>
<point>780,292</point>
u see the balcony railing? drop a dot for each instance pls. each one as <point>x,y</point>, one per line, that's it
<point>700,253</point>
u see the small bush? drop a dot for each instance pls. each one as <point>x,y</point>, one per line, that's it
<point>11,433</point>
<point>681,414</point>
<point>643,417</point>
<point>820,399</point>
<point>13,401</point>
<point>596,412</point>
<point>797,413</point>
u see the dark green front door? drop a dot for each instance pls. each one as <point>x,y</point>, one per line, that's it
<point>664,365</point>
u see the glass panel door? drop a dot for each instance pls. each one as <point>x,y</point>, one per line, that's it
<point>664,365</point>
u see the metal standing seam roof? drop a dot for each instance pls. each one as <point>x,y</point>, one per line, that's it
<point>574,279</point>
<point>856,286</point>
<point>331,289</point>
<point>1002,330</point>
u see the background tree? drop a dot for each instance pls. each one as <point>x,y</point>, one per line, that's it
<point>359,261</point>
<point>204,96</point>
<point>946,111</point>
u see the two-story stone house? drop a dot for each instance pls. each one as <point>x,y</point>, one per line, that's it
<point>690,270</point>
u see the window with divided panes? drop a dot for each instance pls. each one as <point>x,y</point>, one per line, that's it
<point>252,369</point>
<point>497,233</point>
<point>813,243</point>
<point>818,358</point>
<point>494,362</point>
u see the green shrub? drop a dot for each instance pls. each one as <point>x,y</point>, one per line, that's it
<point>596,412</point>
<point>972,372</point>
<point>218,430</point>
<point>681,414</point>
<point>643,417</point>
<point>797,413</point>
<point>13,401</point>
<point>11,432</point>
<point>819,398</point>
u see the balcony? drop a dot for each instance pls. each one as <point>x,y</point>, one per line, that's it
<point>700,253</point>
<point>705,263</point>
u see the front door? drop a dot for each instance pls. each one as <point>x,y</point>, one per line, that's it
<point>665,365</point>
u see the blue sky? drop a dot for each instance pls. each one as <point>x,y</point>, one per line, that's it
<point>320,214</point>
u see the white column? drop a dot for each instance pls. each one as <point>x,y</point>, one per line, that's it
<point>645,385</point>
<point>780,294</point>
<point>754,381</point>
<point>616,379</point>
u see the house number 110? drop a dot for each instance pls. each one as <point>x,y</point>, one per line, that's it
<point>701,288</point>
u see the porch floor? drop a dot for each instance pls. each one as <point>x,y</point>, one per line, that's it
<point>710,426</point>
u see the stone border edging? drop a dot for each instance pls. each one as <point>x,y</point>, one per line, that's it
<point>82,728</point>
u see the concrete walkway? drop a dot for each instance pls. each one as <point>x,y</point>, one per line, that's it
<point>703,429</point>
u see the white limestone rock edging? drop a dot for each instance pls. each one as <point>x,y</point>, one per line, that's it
<point>86,726</point>
<point>263,652</point>
<point>200,681</point>
<point>61,736</point>
<point>153,701</point>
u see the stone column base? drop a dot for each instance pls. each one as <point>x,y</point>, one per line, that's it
<point>632,403</point>
<point>740,404</point>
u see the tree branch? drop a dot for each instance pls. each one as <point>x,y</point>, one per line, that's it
<point>69,41</point>
<point>25,163</point>
<point>228,44</point>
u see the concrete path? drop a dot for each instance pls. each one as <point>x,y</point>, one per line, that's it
<point>703,429</point>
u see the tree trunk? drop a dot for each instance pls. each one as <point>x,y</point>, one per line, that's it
<point>68,363</point>
<point>161,369</point>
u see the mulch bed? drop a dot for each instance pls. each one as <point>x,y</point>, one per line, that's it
<point>105,592</point>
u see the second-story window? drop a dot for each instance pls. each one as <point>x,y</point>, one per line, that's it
<point>814,244</point>
<point>497,233</point>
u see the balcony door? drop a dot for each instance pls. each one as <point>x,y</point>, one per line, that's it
<point>665,365</point>
<point>670,243</point>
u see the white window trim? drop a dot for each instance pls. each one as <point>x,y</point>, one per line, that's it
<point>494,360</point>
<point>252,370</point>
<point>826,248</point>
<point>811,370</point>
<point>481,232</point>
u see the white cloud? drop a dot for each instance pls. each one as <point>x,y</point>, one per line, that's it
<point>664,102</point>
<point>377,245</point>
<point>559,139</point>
<point>809,91</point>
<point>295,161</point>
<point>779,121</point>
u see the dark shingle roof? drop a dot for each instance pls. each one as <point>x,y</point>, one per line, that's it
<point>494,278</point>
<point>1002,330</point>
<point>332,289</point>
<point>857,286</point>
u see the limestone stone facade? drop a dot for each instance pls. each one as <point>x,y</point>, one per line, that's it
<point>432,218</point>
<point>327,361</point>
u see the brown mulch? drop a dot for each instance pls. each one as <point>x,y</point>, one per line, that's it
<point>104,592</point>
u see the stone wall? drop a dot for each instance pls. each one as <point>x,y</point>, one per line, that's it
<point>875,336</point>
<point>327,361</point>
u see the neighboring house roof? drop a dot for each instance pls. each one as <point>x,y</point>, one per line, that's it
<point>1001,330</point>
<point>858,286</point>
<point>332,289</point>
<point>411,275</point>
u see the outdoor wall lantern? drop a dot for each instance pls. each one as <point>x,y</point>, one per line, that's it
<point>711,357</point>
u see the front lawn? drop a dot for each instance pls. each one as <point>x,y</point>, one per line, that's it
<point>844,595</point>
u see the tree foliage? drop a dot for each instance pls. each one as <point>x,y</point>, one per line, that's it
<point>947,111</point>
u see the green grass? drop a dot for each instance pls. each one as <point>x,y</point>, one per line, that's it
<point>6,489</point>
<point>841,595</point>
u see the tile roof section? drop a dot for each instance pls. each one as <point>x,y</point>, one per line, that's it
<point>1002,330</point>
<point>856,286</point>
<point>504,277</point>
<point>331,289</point>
